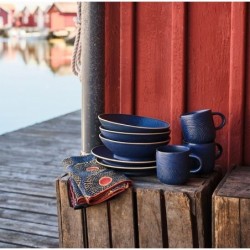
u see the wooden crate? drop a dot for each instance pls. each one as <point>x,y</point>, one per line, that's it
<point>150,214</point>
<point>231,210</point>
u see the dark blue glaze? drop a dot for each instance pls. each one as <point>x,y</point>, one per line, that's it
<point>101,152</point>
<point>198,126</point>
<point>128,165</point>
<point>208,153</point>
<point>132,123</point>
<point>174,165</point>
<point>135,137</point>
<point>130,171</point>
<point>132,151</point>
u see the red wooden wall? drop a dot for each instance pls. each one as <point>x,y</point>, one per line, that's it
<point>163,59</point>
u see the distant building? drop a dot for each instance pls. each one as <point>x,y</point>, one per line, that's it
<point>7,12</point>
<point>39,18</point>
<point>61,16</point>
<point>26,18</point>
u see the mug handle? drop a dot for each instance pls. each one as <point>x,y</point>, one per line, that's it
<point>199,159</point>
<point>223,120</point>
<point>220,151</point>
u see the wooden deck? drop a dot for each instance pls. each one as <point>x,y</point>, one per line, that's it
<point>30,161</point>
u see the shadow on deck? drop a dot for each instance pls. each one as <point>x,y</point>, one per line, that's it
<point>30,161</point>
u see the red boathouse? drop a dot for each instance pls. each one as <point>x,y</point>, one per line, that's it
<point>61,16</point>
<point>164,59</point>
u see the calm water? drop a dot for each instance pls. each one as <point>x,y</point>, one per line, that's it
<point>36,83</point>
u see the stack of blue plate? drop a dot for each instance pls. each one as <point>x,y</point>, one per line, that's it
<point>130,142</point>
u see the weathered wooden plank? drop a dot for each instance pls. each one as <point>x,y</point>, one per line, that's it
<point>29,227</point>
<point>151,182</point>
<point>98,226</point>
<point>43,182</point>
<point>30,170</point>
<point>226,222</point>
<point>9,245</point>
<point>238,190</point>
<point>238,178</point>
<point>179,221</point>
<point>42,185</point>
<point>32,150</point>
<point>27,240</point>
<point>39,177</point>
<point>26,216</point>
<point>59,206</point>
<point>122,220</point>
<point>235,184</point>
<point>28,203</point>
<point>70,220</point>
<point>149,218</point>
<point>245,222</point>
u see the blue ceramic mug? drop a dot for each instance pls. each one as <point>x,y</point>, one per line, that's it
<point>198,126</point>
<point>173,164</point>
<point>208,152</point>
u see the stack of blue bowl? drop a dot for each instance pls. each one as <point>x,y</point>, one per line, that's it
<point>130,142</point>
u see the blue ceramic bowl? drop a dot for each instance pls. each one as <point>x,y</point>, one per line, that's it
<point>132,151</point>
<point>135,137</point>
<point>132,123</point>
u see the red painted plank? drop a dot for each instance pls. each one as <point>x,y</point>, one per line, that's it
<point>178,73</point>
<point>236,80</point>
<point>208,62</point>
<point>153,59</point>
<point>112,57</point>
<point>246,137</point>
<point>127,18</point>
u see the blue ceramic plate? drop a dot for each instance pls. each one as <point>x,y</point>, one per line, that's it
<point>132,123</point>
<point>131,172</point>
<point>105,154</point>
<point>132,150</point>
<point>129,164</point>
<point>117,166</point>
<point>135,137</point>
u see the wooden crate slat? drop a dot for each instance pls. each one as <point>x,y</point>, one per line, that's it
<point>98,226</point>
<point>70,220</point>
<point>245,222</point>
<point>122,220</point>
<point>179,221</point>
<point>203,210</point>
<point>226,222</point>
<point>149,218</point>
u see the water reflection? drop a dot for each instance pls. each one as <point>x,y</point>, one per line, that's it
<point>37,83</point>
<point>56,55</point>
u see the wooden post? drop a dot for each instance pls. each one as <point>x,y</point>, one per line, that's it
<point>92,73</point>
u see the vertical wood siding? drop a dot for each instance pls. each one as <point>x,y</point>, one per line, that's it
<point>246,119</point>
<point>163,59</point>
